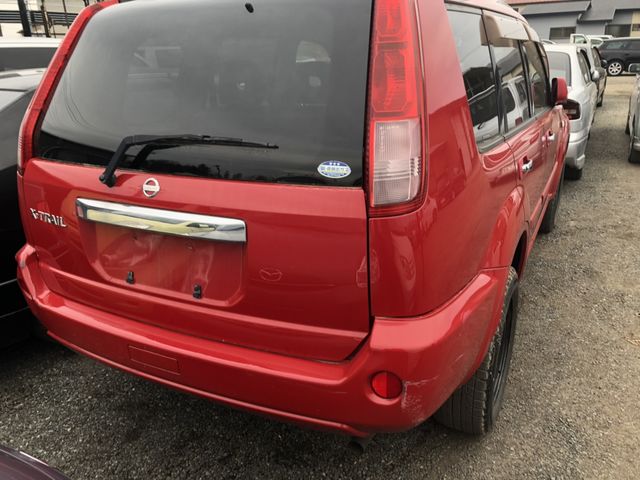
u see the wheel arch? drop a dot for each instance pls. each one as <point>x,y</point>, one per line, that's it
<point>509,248</point>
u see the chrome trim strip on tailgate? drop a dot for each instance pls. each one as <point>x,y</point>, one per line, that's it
<point>162,221</point>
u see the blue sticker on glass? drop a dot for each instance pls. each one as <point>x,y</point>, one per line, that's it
<point>334,169</point>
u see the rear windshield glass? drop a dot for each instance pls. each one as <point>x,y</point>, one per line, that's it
<point>25,57</point>
<point>287,72</point>
<point>560,66</point>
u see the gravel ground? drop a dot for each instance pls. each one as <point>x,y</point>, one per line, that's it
<point>572,408</point>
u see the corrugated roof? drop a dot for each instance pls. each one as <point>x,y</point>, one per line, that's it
<point>556,7</point>
<point>527,2</point>
<point>605,10</point>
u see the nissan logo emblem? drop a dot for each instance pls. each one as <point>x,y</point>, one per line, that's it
<point>151,188</point>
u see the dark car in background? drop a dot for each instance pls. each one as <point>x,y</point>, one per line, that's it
<point>16,90</point>
<point>619,54</point>
<point>633,118</point>
<point>23,53</point>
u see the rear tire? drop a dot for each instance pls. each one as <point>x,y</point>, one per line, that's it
<point>473,408</point>
<point>573,173</point>
<point>634,155</point>
<point>549,221</point>
<point>615,68</point>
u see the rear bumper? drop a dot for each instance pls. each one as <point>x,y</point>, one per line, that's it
<point>432,354</point>
<point>577,147</point>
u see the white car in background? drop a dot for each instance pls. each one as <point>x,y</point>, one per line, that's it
<point>516,102</point>
<point>633,119</point>
<point>26,53</point>
<point>594,40</point>
<point>571,63</point>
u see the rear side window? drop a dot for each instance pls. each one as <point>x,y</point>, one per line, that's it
<point>597,59</point>
<point>614,45</point>
<point>584,68</point>
<point>508,57</point>
<point>291,73</point>
<point>477,73</point>
<point>538,80</point>
<point>28,57</point>
<point>560,65</point>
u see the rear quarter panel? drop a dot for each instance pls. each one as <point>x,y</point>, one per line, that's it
<point>472,217</point>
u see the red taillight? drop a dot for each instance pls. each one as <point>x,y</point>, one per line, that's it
<point>39,102</point>
<point>572,109</point>
<point>386,385</point>
<point>395,154</point>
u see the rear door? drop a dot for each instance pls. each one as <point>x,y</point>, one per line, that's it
<point>291,275</point>
<point>541,106</point>
<point>634,52</point>
<point>523,131</point>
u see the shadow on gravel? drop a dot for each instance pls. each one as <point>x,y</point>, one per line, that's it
<point>95,422</point>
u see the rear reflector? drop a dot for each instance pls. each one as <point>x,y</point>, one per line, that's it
<point>39,102</point>
<point>395,156</point>
<point>386,385</point>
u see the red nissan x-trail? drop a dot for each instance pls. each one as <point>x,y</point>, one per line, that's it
<point>316,210</point>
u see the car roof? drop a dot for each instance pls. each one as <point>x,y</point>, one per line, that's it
<point>21,80</point>
<point>563,48</point>
<point>29,42</point>
<point>615,39</point>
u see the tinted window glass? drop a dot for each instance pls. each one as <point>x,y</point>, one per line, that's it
<point>20,58</point>
<point>584,68</point>
<point>597,59</point>
<point>537,78</point>
<point>560,65</point>
<point>509,100</point>
<point>614,45</point>
<point>292,73</point>
<point>512,77</point>
<point>478,75</point>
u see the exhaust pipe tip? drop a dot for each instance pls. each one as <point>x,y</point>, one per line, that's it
<point>360,444</point>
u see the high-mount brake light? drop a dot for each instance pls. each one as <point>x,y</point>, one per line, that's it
<point>395,155</point>
<point>39,102</point>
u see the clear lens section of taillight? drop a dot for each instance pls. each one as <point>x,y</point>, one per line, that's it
<point>397,171</point>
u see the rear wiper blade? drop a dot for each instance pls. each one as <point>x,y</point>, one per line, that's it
<point>152,142</point>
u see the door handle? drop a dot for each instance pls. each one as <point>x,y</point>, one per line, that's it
<point>551,137</point>
<point>527,166</point>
